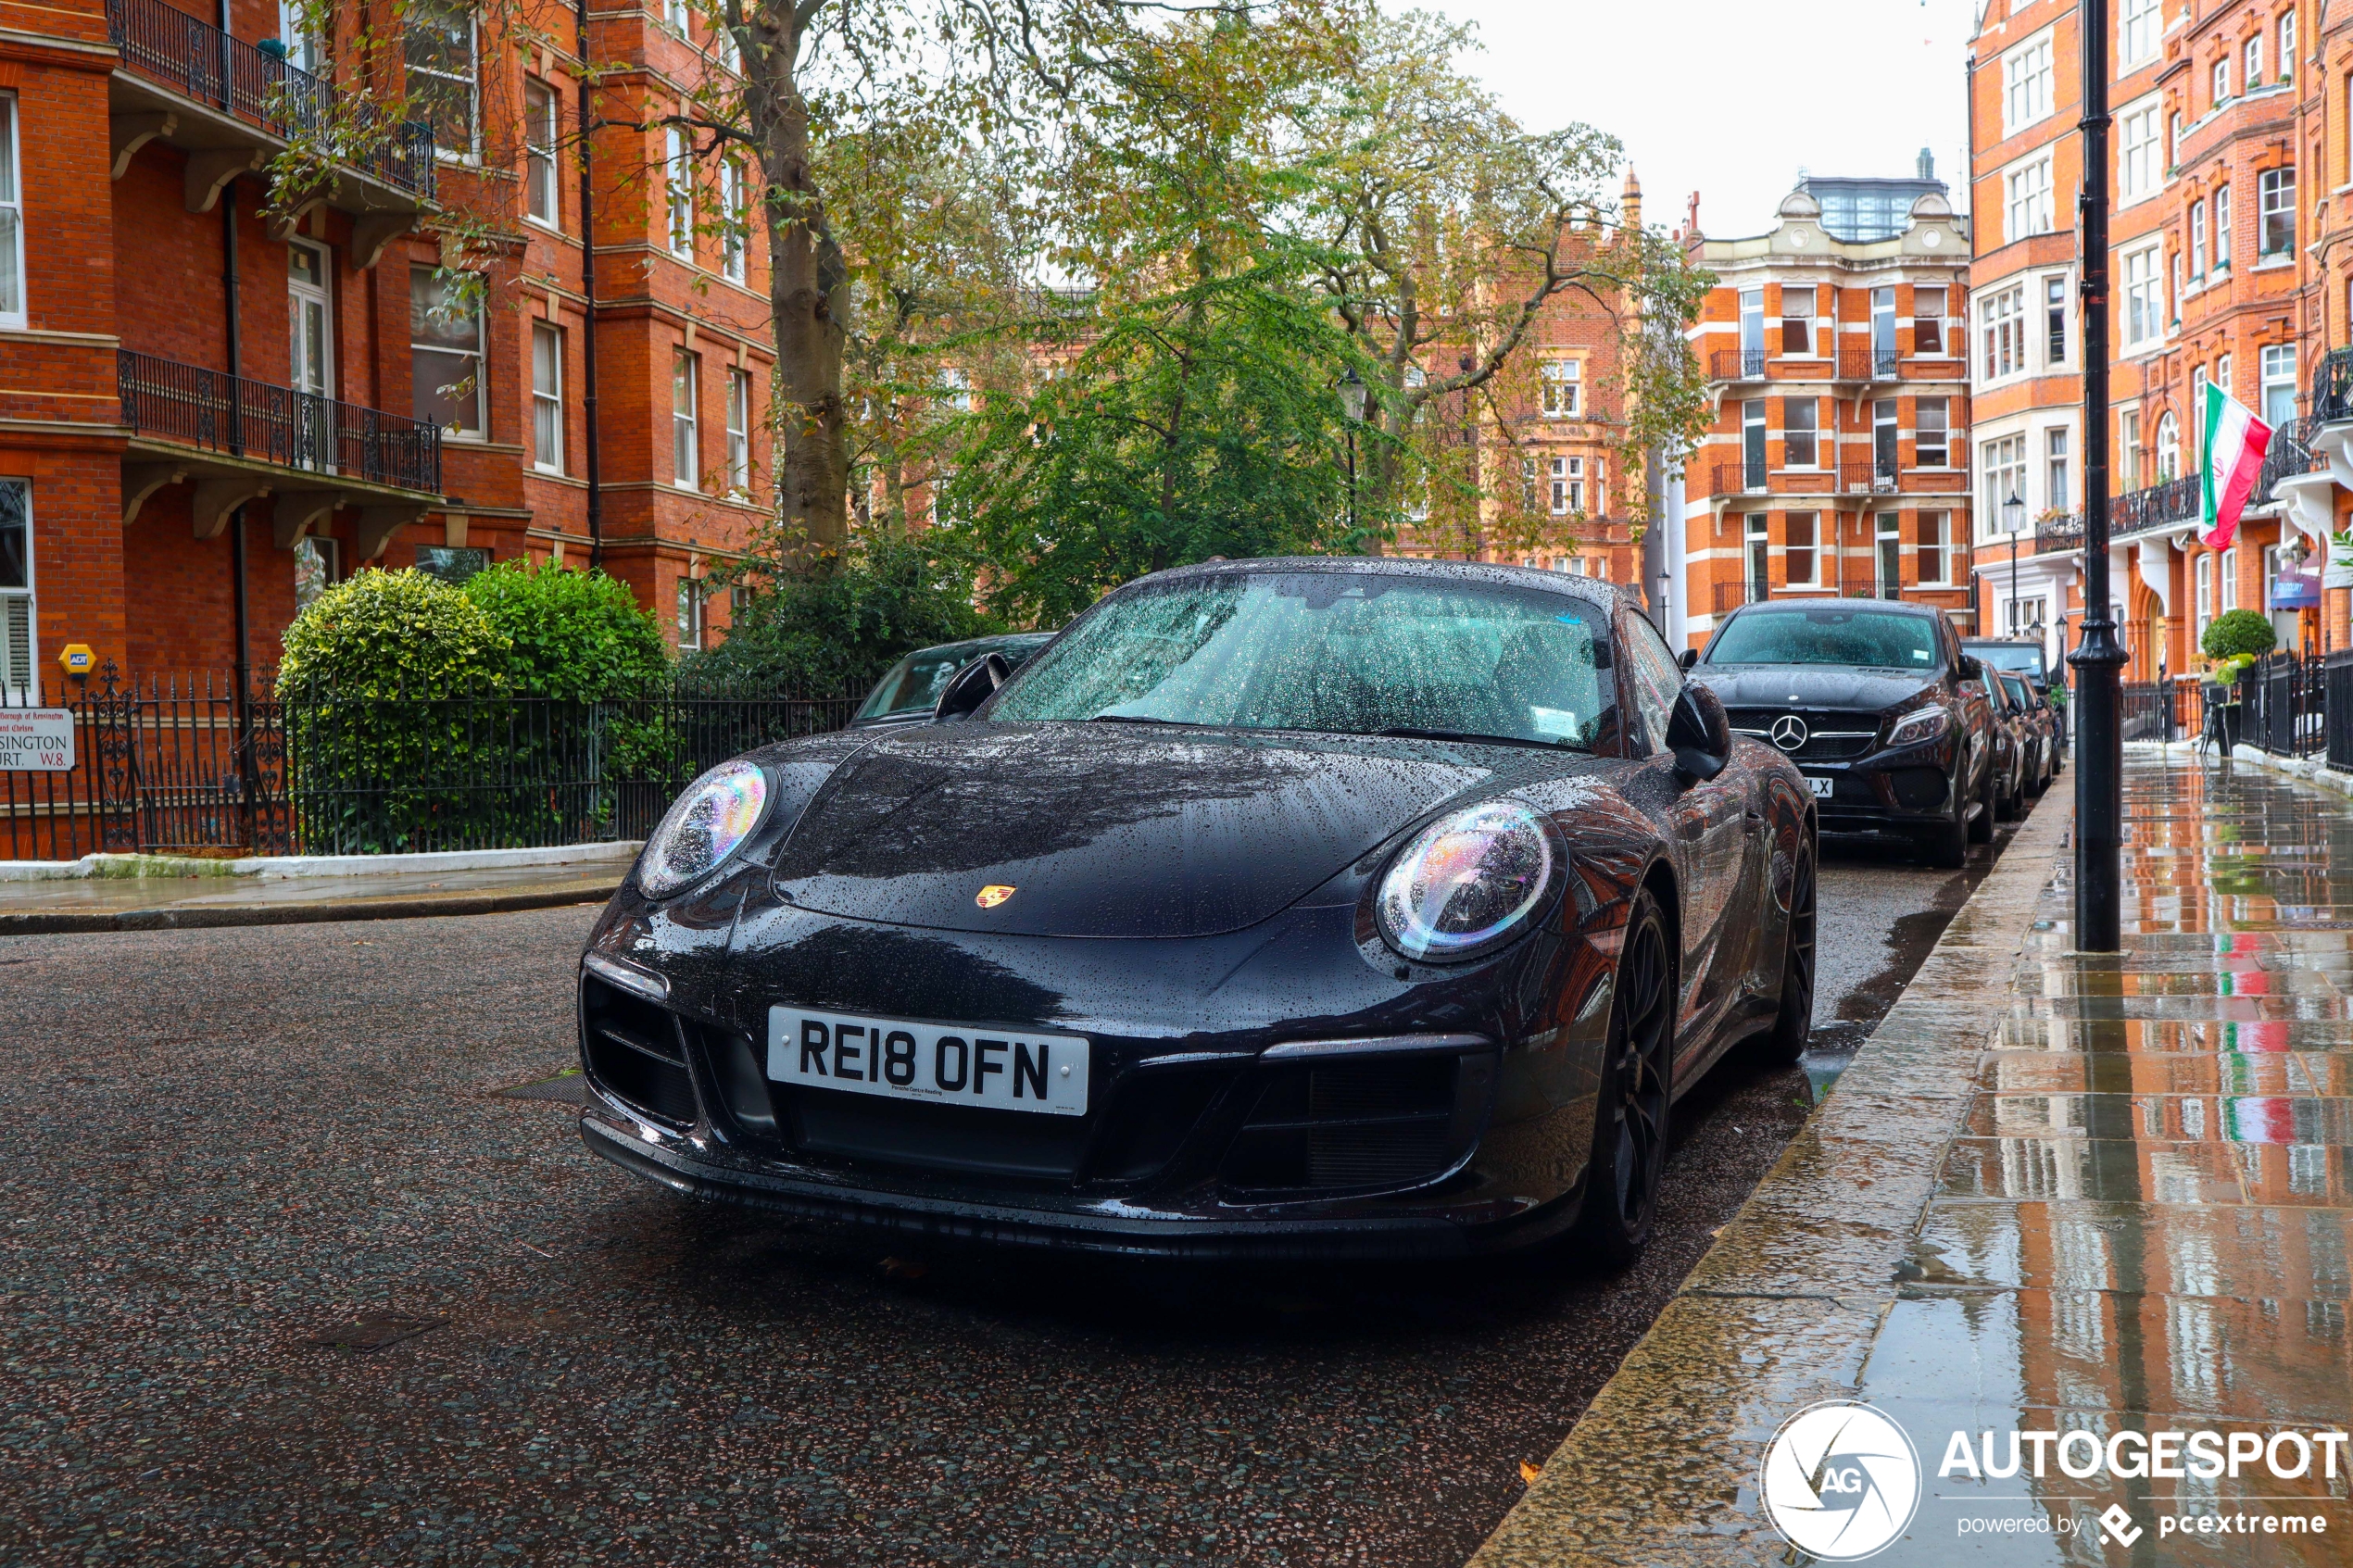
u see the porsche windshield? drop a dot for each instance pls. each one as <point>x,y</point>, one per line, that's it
<point>1873,638</point>
<point>1366,653</point>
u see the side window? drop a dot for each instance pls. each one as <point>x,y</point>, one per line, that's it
<point>1657,681</point>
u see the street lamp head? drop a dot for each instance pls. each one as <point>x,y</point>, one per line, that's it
<point>1352,394</point>
<point>2014,512</point>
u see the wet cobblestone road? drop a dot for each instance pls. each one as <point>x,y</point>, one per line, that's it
<point>229,1144</point>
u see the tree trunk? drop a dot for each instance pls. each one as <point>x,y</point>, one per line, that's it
<point>808,291</point>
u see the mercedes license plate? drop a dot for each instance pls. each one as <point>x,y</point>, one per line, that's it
<point>954,1063</point>
<point>1821,787</point>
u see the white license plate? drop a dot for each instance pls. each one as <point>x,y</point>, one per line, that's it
<point>1821,787</point>
<point>954,1063</point>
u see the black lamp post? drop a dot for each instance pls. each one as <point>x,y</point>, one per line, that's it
<point>2014,518</point>
<point>2099,658</point>
<point>1352,402</point>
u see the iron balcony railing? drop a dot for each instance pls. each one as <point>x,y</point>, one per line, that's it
<point>1877,477</point>
<point>2289,454</point>
<point>196,59</point>
<point>1870,364</point>
<point>1734,479</point>
<point>1737,364</point>
<point>169,401</point>
<point>2159,506</point>
<point>2333,388</point>
<point>2059,533</point>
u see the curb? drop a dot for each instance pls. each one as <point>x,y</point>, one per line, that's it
<point>304,911</point>
<point>1784,1310</point>
<point>273,867</point>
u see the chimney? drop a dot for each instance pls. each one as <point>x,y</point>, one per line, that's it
<point>1927,164</point>
<point>1633,212</point>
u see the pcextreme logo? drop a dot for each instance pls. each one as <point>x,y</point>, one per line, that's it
<point>1841,1481</point>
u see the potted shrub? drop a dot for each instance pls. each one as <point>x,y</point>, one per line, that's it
<point>2234,640</point>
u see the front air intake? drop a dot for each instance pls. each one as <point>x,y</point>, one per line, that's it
<point>631,1047</point>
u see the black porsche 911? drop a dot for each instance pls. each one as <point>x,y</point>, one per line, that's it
<point>1304,908</point>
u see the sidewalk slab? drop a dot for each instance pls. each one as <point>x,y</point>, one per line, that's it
<point>151,903</point>
<point>2056,1191</point>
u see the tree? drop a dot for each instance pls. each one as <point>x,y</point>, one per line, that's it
<point>1178,403</point>
<point>1447,231</point>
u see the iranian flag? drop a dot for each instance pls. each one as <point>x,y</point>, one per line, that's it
<point>2235,442</point>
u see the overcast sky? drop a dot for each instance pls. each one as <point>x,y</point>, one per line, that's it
<point>1731,97</point>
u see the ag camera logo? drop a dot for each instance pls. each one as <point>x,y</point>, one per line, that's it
<point>1841,1481</point>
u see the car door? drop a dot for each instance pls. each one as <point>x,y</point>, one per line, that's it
<point>1720,834</point>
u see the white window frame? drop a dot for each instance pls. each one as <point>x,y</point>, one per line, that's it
<point>2001,323</point>
<point>2198,240</point>
<point>2220,202</point>
<point>2140,27</point>
<point>2142,296</point>
<point>2055,285</point>
<point>2274,207</point>
<point>2140,167</point>
<point>739,431</point>
<point>686,419</point>
<point>733,245</point>
<point>12,246</point>
<point>2001,468</point>
<point>546,397</point>
<point>2058,466</point>
<point>1935,545</point>
<point>678,194</point>
<point>304,51</point>
<point>2251,72</point>
<point>1813,433</point>
<point>2218,83</point>
<point>1563,389</point>
<point>2202,609</point>
<point>690,617</point>
<point>676,15</point>
<point>1921,451</point>
<point>2278,370</point>
<point>2287,49</point>
<point>2227,583</point>
<point>471,152</point>
<point>1887,550</point>
<point>540,134</point>
<point>2028,209</point>
<point>19,608</point>
<point>2168,447</point>
<point>1813,578</point>
<point>479,353</point>
<point>1791,293</point>
<point>2026,75</point>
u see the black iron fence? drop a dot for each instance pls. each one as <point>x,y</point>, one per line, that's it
<point>193,765</point>
<point>197,60</point>
<point>2336,708</point>
<point>169,401</point>
<point>2282,706</point>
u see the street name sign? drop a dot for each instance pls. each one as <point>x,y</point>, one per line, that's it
<point>35,740</point>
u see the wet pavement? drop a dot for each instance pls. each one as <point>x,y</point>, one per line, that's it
<point>2058,1193</point>
<point>286,1275</point>
<point>126,903</point>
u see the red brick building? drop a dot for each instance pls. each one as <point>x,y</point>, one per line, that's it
<point>211,397</point>
<point>2226,246</point>
<point>1837,461</point>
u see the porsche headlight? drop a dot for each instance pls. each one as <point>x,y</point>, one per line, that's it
<point>1467,884</point>
<point>1925,723</point>
<point>703,827</point>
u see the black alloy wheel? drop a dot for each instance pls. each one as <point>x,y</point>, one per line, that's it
<point>1621,1205</point>
<point>1793,1020</point>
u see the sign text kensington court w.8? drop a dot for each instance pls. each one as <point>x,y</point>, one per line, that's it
<point>35,739</point>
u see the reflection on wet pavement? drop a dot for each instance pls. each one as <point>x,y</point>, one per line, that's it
<point>2143,1223</point>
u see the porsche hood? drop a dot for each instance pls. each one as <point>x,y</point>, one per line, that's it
<point>1105,829</point>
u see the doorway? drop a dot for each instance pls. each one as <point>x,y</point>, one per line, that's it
<point>310,347</point>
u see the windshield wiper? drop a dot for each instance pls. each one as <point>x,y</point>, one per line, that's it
<point>1144,719</point>
<point>1406,733</point>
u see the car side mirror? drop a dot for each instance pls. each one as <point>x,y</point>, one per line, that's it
<point>1687,658</point>
<point>1698,734</point>
<point>973,684</point>
<point>1970,669</point>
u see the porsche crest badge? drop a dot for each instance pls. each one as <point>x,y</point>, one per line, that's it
<point>993,895</point>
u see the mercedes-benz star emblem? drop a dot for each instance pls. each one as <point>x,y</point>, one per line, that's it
<point>1789,732</point>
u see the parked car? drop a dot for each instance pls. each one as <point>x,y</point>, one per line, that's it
<point>2042,724</point>
<point>1320,907</point>
<point>2014,740</point>
<point>910,689</point>
<point>1877,704</point>
<point>2027,656</point>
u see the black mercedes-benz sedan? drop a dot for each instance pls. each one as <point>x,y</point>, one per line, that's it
<point>1305,907</point>
<point>1876,702</point>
